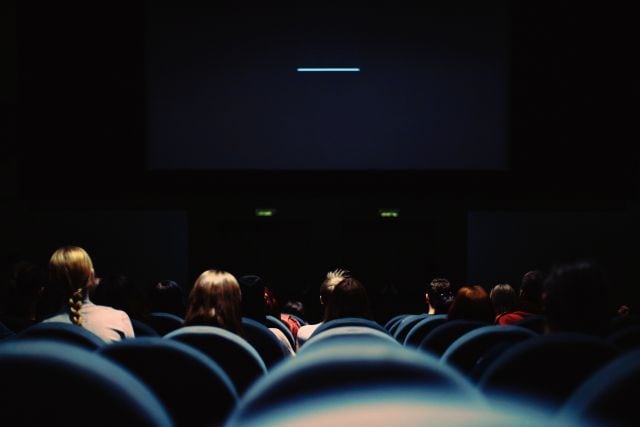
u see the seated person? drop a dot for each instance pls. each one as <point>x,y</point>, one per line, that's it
<point>71,273</point>
<point>214,300</point>
<point>167,296</point>
<point>331,280</point>
<point>504,301</point>
<point>471,303</point>
<point>254,307</point>
<point>438,296</point>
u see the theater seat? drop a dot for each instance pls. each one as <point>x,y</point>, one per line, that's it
<point>63,332</point>
<point>163,323</point>
<point>468,351</point>
<point>49,383</point>
<point>396,405</point>
<point>393,321</point>
<point>352,366</point>
<point>441,337</point>
<point>347,321</point>
<point>626,339</point>
<point>348,334</point>
<point>195,390</point>
<point>423,328</point>
<point>234,354</point>
<point>547,368</point>
<point>406,325</point>
<point>610,396</point>
<point>264,341</point>
<point>273,322</point>
<point>141,329</point>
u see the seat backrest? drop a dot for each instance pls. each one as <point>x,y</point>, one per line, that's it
<point>610,395</point>
<point>141,329</point>
<point>235,355</point>
<point>394,320</point>
<point>442,336</point>
<point>5,332</point>
<point>163,323</point>
<point>395,405</point>
<point>52,383</point>
<point>347,333</point>
<point>468,351</point>
<point>347,321</point>
<point>394,326</point>
<point>406,325</point>
<point>548,368</point>
<point>63,332</point>
<point>348,366</point>
<point>274,322</point>
<point>422,329</point>
<point>264,341</point>
<point>626,339</point>
<point>194,389</point>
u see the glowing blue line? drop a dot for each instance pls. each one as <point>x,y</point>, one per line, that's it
<point>328,70</point>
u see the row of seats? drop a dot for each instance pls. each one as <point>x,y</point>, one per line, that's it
<point>203,375</point>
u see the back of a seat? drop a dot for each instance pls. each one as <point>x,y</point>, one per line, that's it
<point>141,329</point>
<point>423,328</point>
<point>626,339</point>
<point>274,322</point>
<point>5,332</point>
<point>235,355</point>
<point>164,323</point>
<point>406,325</point>
<point>610,395</point>
<point>347,321</point>
<point>264,341</point>
<point>347,366</point>
<point>468,351</point>
<point>548,368</point>
<point>441,337</point>
<point>195,390</point>
<point>347,334</point>
<point>63,332</point>
<point>393,321</point>
<point>52,383</point>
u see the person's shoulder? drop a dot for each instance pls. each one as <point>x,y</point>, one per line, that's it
<point>307,330</point>
<point>106,311</point>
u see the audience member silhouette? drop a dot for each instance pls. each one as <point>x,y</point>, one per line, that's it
<point>254,306</point>
<point>348,299</point>
<point>167,296</point>
<point>273,309</point>
<point>438,296</point>
<point>530,295</point>
<point>215,300</point>
<point>24,288</point>
<point>471,303</point>
<point>505,301</point>
<point>326,288</point>
<point>120,292</point>
<point>71,273</point>
<point>576,299</point>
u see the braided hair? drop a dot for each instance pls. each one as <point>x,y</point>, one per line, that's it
<point>71,270</point>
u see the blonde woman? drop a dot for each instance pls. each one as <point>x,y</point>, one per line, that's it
<point>71,271</point>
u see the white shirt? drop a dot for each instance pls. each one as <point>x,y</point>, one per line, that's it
<point>305,332</point>
<point>105,322</point>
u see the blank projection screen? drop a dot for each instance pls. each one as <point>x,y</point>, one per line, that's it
<point>407,86</point>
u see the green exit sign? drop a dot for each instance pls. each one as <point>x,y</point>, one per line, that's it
<point>389,213</point>
<point>264,212</point>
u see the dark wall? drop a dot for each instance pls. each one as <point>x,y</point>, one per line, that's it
<point>81,148</point>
